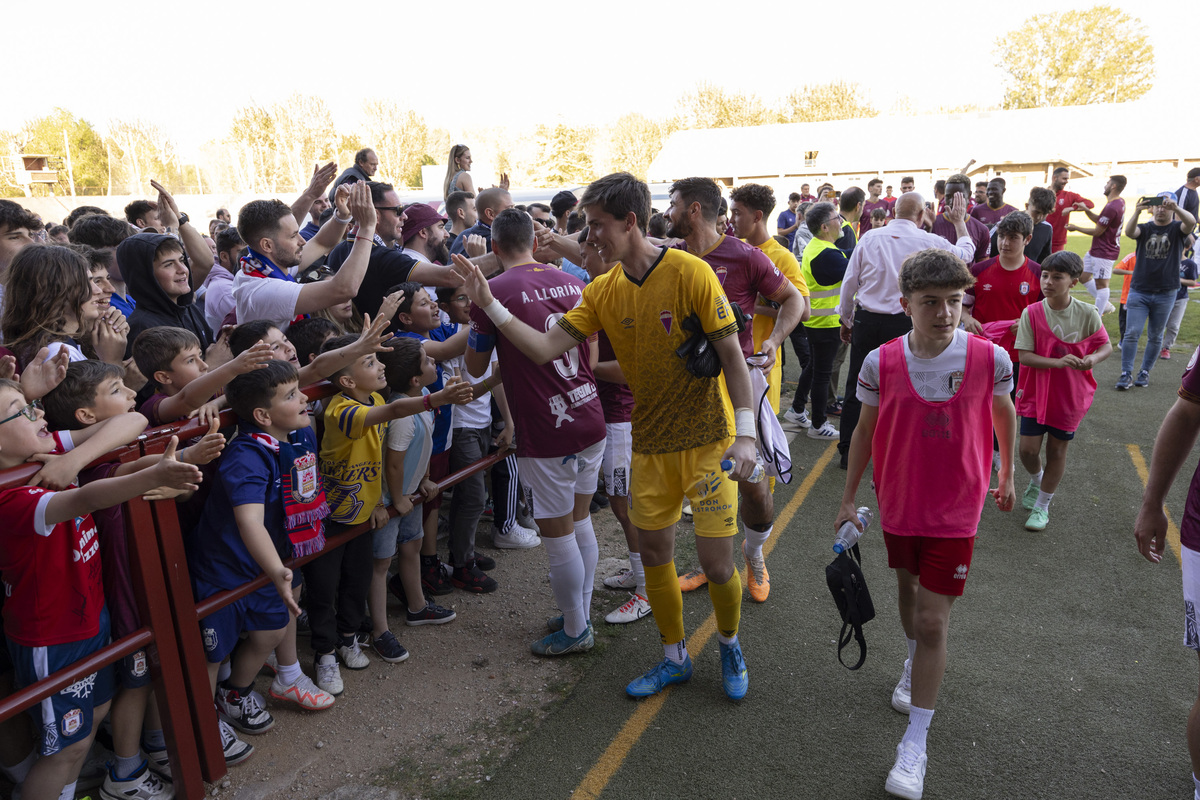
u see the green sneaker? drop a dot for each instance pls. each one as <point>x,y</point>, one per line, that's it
<point>1030,497</point>
<point>1039,518</point>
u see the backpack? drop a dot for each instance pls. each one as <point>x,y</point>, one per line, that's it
<point>849,590</point>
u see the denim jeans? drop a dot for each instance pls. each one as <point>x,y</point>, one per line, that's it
<point>1173,323</point>
<point>1150,311</point>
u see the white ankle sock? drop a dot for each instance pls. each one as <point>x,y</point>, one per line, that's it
<point>639,572</point>
<point>676,652</point>
<point>289,673</point>
<point>727,639</point>
<point>918,727</point>
<point>566,581</point>
<point>1043,501</point>
<point>755,541</point>
<point>1091,288</point>
<point>1102,296</point>
<point>1036,480</point>
<point>589,550</point>
<point>912,648</point>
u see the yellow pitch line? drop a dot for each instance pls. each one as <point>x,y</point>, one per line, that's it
<point>1139,463</point>
<point>618,750</point>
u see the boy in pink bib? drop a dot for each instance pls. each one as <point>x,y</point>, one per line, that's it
<point>1059,340</point>
<point>931,397</point>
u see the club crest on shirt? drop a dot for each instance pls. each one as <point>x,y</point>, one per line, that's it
<point>1024,288</point>
<point>307,481</point>
<point>665,317</point>
<point>722,273</point>
<point>956,381</point>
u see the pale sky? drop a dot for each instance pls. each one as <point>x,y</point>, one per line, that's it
<point>187,66</point>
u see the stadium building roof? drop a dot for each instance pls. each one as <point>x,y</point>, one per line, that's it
<point>1072,136</point>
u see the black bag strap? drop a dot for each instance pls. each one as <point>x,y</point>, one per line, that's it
<point>852,629</point>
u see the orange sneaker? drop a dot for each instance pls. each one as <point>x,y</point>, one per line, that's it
<point>691,581</point>
<point>758,581</point>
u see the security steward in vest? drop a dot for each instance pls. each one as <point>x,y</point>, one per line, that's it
<point>823,266</point>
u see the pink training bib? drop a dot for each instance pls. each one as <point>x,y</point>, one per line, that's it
<point>1072,390</point>
<point>933,461</point>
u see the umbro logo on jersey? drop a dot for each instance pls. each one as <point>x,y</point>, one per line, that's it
<point>627,322</point>
<point>987,287</point>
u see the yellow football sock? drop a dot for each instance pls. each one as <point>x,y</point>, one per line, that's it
<point>666,600</point>
<point>727,604</point>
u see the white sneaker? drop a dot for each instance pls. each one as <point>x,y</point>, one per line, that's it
<point>271,664</point>
<point>352,655</point>
<point>907,778</point>
<point>244,712</point>
<point>141,785</point>
<point>793,421</point>
<point>622,581</point>
<point>826,431</point>
<point>329,677</point>
<point>1109,308</point>
<point>236,751</point>
<point>634,609</point>
<point>902,694</point>
<point>517,537</point>
<point>303,693</point>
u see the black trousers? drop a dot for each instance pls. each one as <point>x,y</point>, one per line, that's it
<point>869,332</point>
<point>814,379</point>
<point>335,588</point>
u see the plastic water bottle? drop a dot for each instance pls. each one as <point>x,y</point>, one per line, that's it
<point>849,534</point>
<point>756,475</point>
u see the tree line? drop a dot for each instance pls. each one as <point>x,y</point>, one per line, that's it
<point>1076,57</point>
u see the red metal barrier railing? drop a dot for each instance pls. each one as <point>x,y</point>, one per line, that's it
<point>169,612</point>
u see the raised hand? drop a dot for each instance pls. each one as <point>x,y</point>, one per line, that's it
<point>205,450</point>
<point>322,176</point>
<point>168,212</point>
<point>362,209</point>
<point>341,200</point>
<point>110,335</point>
<point>475,246</point>
<point>173,473</point>
<point>255,357</point>
<point>456,391</point>
<point>42,374</point>
<point>474,284</point>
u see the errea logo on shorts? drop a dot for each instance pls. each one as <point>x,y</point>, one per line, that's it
<point>960,574</point>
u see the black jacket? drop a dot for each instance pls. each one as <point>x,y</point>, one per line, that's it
<point>154,307</point>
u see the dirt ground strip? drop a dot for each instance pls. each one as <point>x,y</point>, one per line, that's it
<point>441,722</point>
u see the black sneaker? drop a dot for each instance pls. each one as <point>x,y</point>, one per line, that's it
<point>485,563</point>
<point>433,577</point>
<point>390,650</point>
<point>431,614</point>
<point>472,579</point>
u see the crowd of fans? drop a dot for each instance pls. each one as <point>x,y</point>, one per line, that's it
<point>112,324</point>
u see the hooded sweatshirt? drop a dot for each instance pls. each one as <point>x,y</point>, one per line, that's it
<point>154,306</point>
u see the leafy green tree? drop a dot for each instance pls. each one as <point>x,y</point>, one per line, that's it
<point>565,155</point>
<point>827,101</point>
<point>89,159</point>
<point>141,151</point>
<point>710,106</point>
<point>1069,58</point>
<point>634,141</point>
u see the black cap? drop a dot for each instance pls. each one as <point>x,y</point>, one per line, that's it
<point>562,202</point>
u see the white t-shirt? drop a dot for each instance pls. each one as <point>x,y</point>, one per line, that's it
<point>935,379</point>
<point>75,354</point>
<point>413,434</point>
<point>478,412</point>
<point>272,299</point>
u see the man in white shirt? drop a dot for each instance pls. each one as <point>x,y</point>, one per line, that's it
<point>870,301</point>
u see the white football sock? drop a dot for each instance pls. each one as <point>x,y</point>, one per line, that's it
<point>1036,480</point>
<point>755,541</point>
<point>676,652</point>
<point>639,572</point>
<point>566,581</point>
<point>1091,287</point>
<point>589,550</point>
<point>1102,296</point>
<point>1043,501</point>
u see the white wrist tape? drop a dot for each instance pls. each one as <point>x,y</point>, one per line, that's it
<point>743,422</point>
<point>497,313</point>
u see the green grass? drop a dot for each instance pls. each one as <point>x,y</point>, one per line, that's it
<point>1189,329</point>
